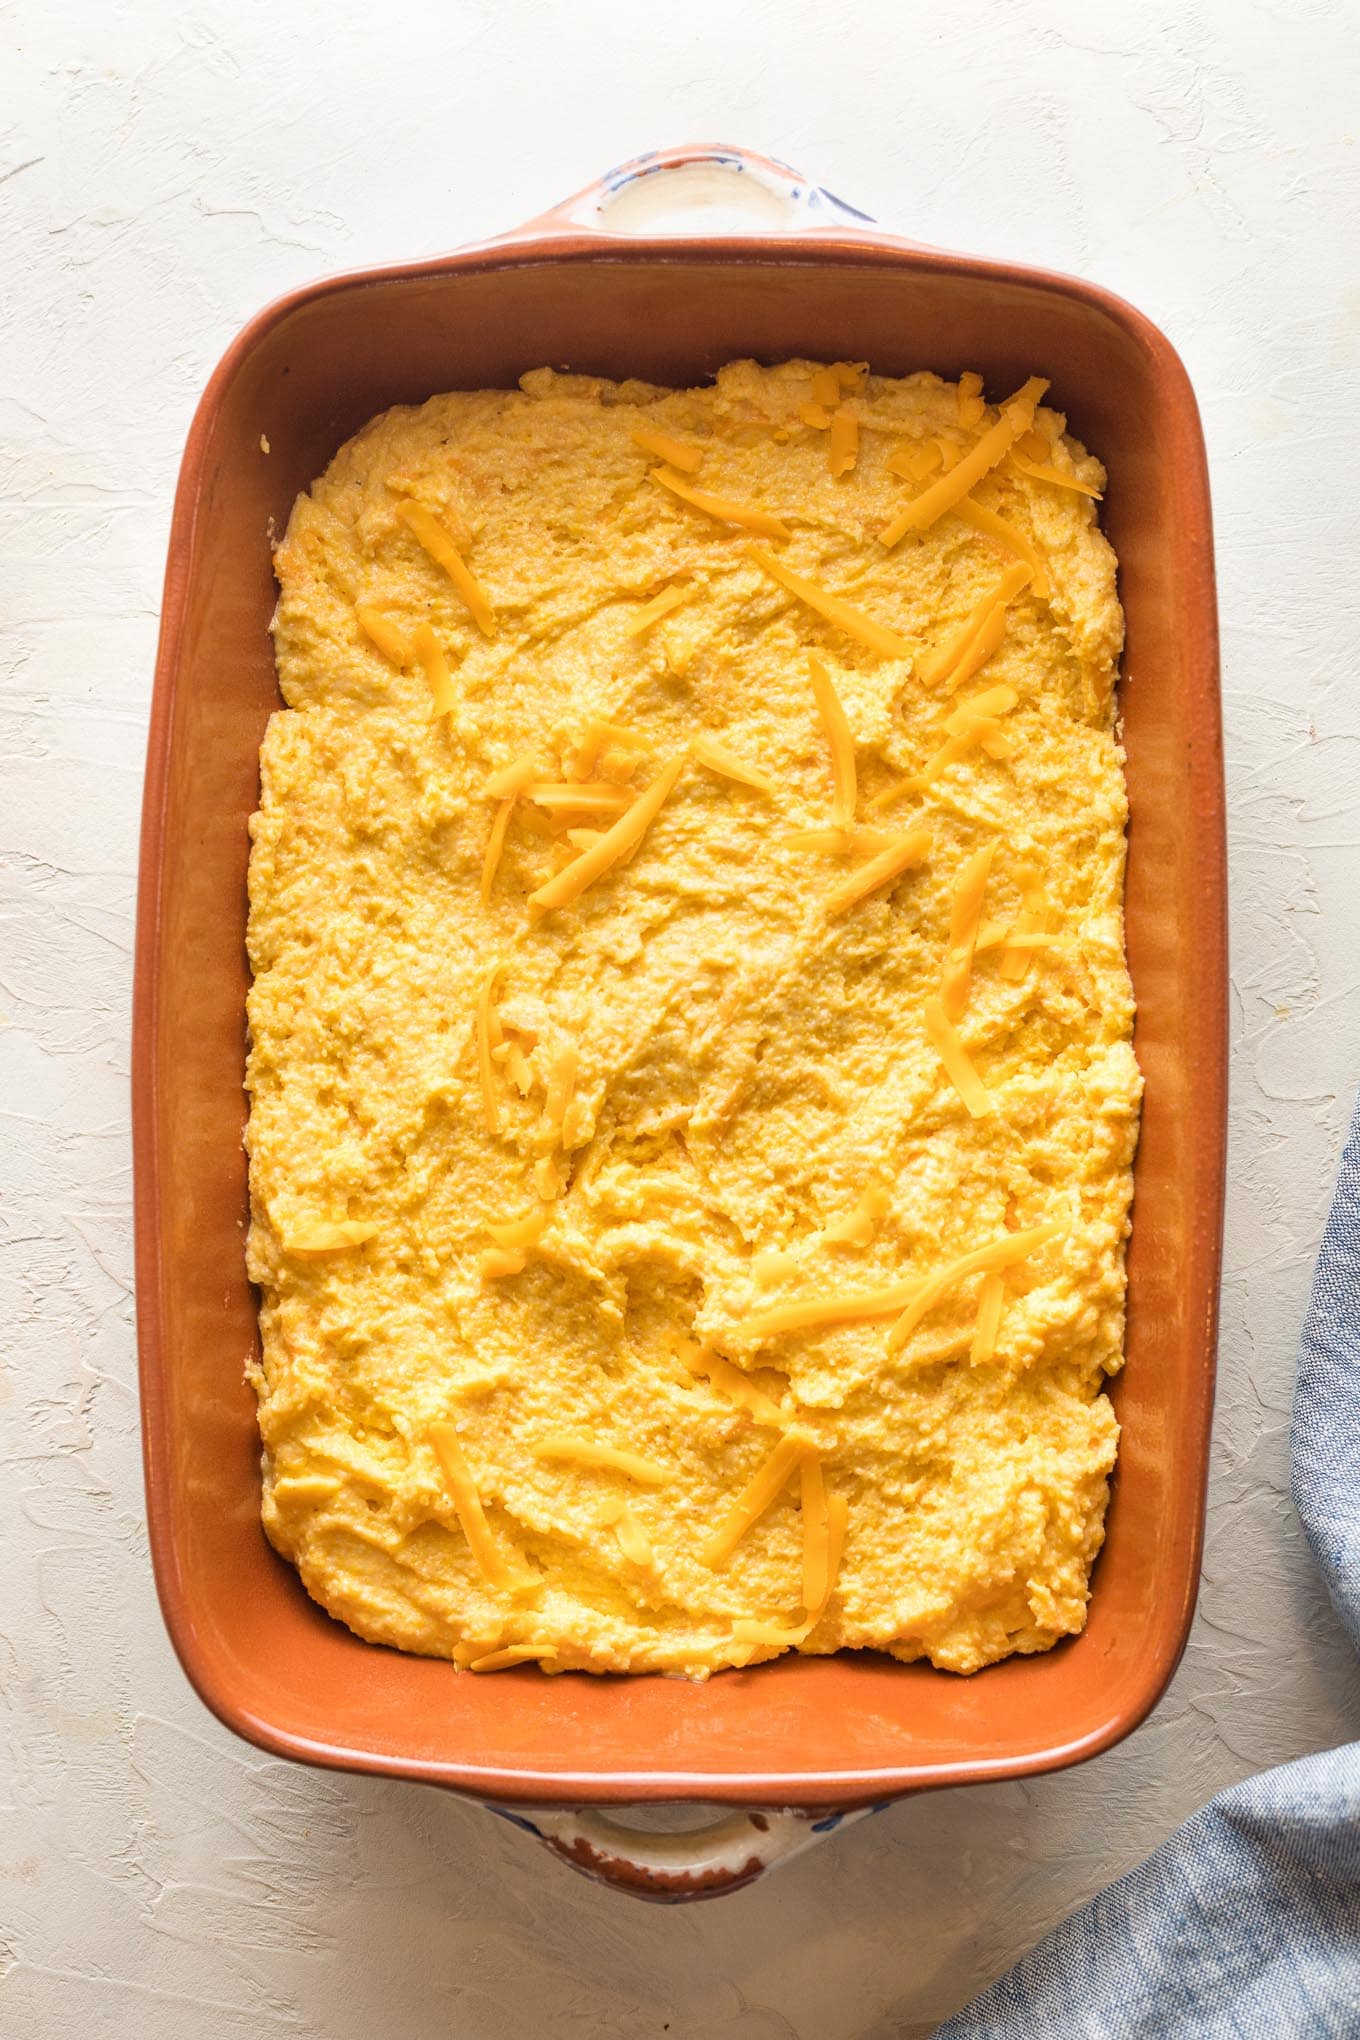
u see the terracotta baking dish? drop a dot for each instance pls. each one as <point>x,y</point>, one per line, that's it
<point>580,288</point>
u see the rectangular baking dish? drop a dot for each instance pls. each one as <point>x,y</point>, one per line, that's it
<point>581,288</point>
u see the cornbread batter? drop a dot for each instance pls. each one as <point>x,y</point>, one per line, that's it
<point>692,1100</point>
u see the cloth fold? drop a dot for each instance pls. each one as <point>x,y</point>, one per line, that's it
<point>1246,1923</point>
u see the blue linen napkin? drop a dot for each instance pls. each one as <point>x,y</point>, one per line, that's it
<point>1247,1922</point>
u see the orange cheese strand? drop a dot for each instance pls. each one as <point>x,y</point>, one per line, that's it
<point>616,842</point>
<point>431,655</point>
<point>384,634</point>
<point>957,1063</point>
<point>991,1259</point>
<point>810,1313</point>
<point>1042,470</point>
<point>652,612</point>
<point>596,797</point>
<point>987,641</point>
<point>608,1458</point>
<point>512,778</point>
<point>765,1488</point>
<point>514,1654</point>
<point>431,535</point>
<point>972,410</point>
<point>498,1262</point>
<point>911,848</point>
<point>329,1236</point>
<point>815,415</point>
<point>467,1503</point>
<point>1016,958</point>
<point>998,700</point>
<point>1016,418</point>
<point>488,1037</point>
<point>729,1381</point>
<point>942,663</point>
<point>844,786</point>
<point>495,844</point>
<point>632,1538</point>
<point>722,507</point>
<point>707,751</point>
<point>914,459</point>
<point>1010,539</point>
<point>518,1232</point>
<point>843,446</point>
<point>677,453</point>
<point>889,644</point>
<point>965,918</point>
<point>991,1302</point>
<point>856,1229</point>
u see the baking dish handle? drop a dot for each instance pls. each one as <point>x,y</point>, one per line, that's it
<point>703,188</point>
<point>669,1867</point>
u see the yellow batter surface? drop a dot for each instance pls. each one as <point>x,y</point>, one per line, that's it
<point>692,1100</point>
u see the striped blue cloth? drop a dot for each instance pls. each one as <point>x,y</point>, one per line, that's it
<point>1247,1922</point>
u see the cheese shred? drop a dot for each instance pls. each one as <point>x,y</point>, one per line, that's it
<point>911,848</point>
<point>431,655</point>
<point>957,1062</point>
<point>448,1450</point>
<point>652,612</point>
<point>677,453</point>
<point>608,1458</point>
<point>842,449</point>
<point>759,1494</point>
<point>333,1236</point>
<point>495,844</point>
<point>947,663</point>
<point>382,633</point>
<point>1010,539</point>
<point>991,1302</point>
<point>1016,418</point>
<point>716,757</point>
<point>991,1259</point>
<point>722,508</point>
<point>488,1037</point>
<point>965,918</point>
<point>514,1654</point>
<point>430,534</point>
<point>616,843</point>
<point>844,786</point>
<point>889,644</point>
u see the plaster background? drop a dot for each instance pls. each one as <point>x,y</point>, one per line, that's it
<point>164,169</point>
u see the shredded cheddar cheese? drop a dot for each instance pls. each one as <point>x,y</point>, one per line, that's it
<point>857,1228</point>
<point>914,459</point>
<point>448,1450</point>
<point>972,410</point>
<point>1011,540</point>
<point>716,757</point>
<point>329,1236</point>
<point>760,1493</point>
<point>1016,418</point>
<point>965,918</point>
<point>677,453</point>
<point>498,1262</point>
<point>854,842</point>
<point>633,1540</point>
<point>616,843</point>
<point>1017,955</point>
<point>843,781</point>
<point>911,848</point>
<point>826,387</point>
<point>431,655</point>
<point>843,446</point>
<point>948,662</point>
<point>430,534</point>
<point>669,600</point>
<point>816,1529</point>
<point>495,844</point>
<point>889,644</point>
<point>488,1037</point>
<point>608,1458</point>
<point>729,1381</point>
<point>518,1232</point>
<point>380,631</point>
<point>958,1064</point>
<point>722,508</point>
<point>991,1302</point>
<point>514,1654</point>
<point>991,1259</point>
<point>811,1313</point>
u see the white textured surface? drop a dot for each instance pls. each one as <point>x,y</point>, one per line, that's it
<point>167,169</point>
